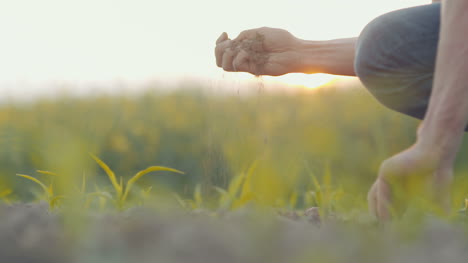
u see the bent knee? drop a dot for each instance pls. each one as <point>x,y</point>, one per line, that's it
<point>375,48</point>
<point>395,58</point>
<point>399,43</point>
<point>373,62</point>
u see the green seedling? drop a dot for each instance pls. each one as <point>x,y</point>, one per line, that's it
<point>50,197</point>
<point>122,189</point>
<point>324,195</point>
<point>239,191</point>
<point>191,204</point>
<point>100,195</point>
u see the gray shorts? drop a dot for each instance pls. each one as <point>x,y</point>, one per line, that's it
<point>395,58</point>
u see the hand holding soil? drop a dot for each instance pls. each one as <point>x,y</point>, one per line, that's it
<point>262,51</point>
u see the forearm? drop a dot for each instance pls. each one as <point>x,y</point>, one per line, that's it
<point>332,57</point>
<point>443,127</point>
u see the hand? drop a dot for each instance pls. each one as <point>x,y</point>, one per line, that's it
<point>262,51</point>
<point>415,172</point>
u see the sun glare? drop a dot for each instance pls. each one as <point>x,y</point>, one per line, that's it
<point>310,81</point>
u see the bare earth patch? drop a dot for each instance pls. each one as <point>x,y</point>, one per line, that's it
<point>32,234</point>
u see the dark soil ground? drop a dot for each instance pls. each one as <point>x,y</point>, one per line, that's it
<point>29,233</point>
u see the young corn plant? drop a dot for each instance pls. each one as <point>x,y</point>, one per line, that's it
<point>240,190</point>
<point>98,194</point>
<point>191,204</point>
<point>49,195</point>
<point>122,189</point>
<point>324,196</point>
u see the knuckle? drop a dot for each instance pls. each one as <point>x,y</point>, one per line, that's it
<point>386,169</point>
<point>245,33</point>
<point>228,68</point>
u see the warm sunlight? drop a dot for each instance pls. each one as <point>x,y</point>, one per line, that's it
<point>310,81</point>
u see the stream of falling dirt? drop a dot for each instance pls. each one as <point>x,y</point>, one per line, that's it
<point>262,132</point>
<point>224,86</point>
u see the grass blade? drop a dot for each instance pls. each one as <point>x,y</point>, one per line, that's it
<point>143,172</point>
<point>46,172</point>
<point>246,191</point>
<point>233,190</point>
<point>118,187</point>
<point>45,188</point>
<point>153,169</point>
<point>55,200</point>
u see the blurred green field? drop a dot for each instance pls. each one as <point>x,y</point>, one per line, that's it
<point>292,138</point>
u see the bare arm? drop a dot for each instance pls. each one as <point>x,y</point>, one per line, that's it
<point>442,129</point>
<point>332,57</point>
<point>447,115</point>
<point>273,51</point>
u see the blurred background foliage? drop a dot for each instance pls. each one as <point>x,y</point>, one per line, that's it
<point>290,136</point>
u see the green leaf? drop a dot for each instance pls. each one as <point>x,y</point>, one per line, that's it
<point>233,190</point>
<point>46,172</point>
<point>143,172</point>
<point>54,201</point>
<point>246,193</point>
<point>118,187</point>
<point>47,190</point>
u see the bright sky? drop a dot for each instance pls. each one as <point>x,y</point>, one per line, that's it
<point>136,40</point>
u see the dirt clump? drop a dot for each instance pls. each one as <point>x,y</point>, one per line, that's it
<point>254,47</point>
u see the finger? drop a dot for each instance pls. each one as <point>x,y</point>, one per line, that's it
<point>372,200</point>
<point>219,51</point>
<point>442,181</point>
<point>228,57</point>
<point>241,61</point>
<point>222,38</point>
<point>383,200</point>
